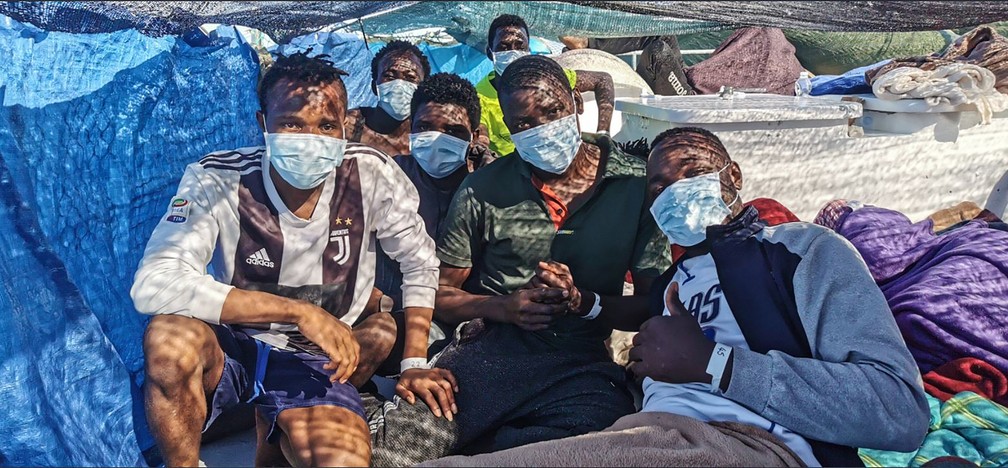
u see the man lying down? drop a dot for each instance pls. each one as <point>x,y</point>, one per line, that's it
<point>770,346</point>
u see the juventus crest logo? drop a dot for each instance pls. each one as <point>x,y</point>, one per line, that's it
<point>341,238</point>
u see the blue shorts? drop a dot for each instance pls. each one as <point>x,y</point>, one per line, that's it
<point>274,380</point>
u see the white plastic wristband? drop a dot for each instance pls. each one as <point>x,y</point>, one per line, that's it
<point>595,310</point>
<point>716,365</point>
<point>413,363</point>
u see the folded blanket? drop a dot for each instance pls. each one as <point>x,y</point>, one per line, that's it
<point>646,439</point>
<point>948,292</point>
<point>944,219</point>
<point>982,46</point>
<point>967,375</point>
<point>952,83</point>
<point>968,426</point>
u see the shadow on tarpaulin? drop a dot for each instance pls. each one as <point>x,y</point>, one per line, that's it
<point>95,131</point>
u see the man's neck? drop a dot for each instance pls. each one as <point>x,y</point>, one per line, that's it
<point>580,177</point>
<point>451,182</point>
<point>376,119</point>
<point>300,202</point>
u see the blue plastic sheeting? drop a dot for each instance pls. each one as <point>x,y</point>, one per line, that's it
<point>851,82</point>
<point>95,131</point>
<point>461,59</point>
<point>348,52</point>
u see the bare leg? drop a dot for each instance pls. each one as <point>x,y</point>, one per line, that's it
<point>376,336</point>
<point>183,365</point>
<point>267,454</point>
<point>325,436</point>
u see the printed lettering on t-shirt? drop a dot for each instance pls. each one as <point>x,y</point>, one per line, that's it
<point>705,307</point>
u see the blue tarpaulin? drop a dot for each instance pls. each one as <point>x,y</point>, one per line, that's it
<point>95,130</point>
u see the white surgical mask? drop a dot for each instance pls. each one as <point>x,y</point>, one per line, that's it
<point>504,58</point>
<point>550,147</point>
<point>438,154</point>
<point>303,159</point>
<point>685,209</point>
<point>394,98</point>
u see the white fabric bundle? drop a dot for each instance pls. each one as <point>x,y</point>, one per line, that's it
<point>953,83</point>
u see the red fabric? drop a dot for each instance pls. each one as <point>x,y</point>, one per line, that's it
<point>555,206</point>
<point>770,210</point>
<point>967,375</point>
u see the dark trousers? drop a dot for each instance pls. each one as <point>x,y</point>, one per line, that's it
<point>514,389</point>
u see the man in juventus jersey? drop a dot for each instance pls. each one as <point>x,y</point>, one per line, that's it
<point>280,319</point>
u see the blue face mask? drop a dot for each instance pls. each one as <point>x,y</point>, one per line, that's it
<point>686,208</point>
<point>303,159</point>
<point>438,154</point>
<point>550,147</point>
<point>394,98</point>
<point>504,58</point>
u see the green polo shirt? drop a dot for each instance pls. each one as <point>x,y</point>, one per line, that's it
<point>499,226</point>
<point>492,116</point>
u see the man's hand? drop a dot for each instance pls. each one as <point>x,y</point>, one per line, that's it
<point>436,387</point>
<point>672,348</point>
<point>534,308</point>
<point>557,275</point>
<point>574,42</point>
<point>335,338</point>
<point>479,155</point>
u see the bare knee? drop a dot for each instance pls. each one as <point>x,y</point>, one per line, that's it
<point>177,349</point>
<point>376,335</point>
<point>325,436</point>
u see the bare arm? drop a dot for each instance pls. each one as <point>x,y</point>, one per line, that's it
<point>455,306</point>
<point>320,327</point>
<point>625,313</point>
<point>531,309</point>
<point>602,84</point>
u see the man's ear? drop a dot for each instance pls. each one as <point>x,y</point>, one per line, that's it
<point>261,118</point>
<point>374,87</point>
<point>489,53</point>
<point>735,174</point>
<point>578,102</point>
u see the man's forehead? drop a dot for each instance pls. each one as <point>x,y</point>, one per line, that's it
<point>507,31</point>
<point>400,60</point>
<point>292,95</point>
<point>542,88</point>
<point>677,155</point>
<point>452,114</point>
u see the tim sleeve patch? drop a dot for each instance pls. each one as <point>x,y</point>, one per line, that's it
<point>178,212</point>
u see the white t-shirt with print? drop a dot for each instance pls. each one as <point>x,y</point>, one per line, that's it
<point>700,293</point>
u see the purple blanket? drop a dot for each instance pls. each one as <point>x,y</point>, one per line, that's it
<point>949,292</point>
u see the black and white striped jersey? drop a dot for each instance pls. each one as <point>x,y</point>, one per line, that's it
<point>227,214</point>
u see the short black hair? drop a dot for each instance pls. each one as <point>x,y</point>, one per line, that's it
<point>397,47</point>
<point>299,67</point>
<point>695,137</point>
<point>448,88</point>
<point>504,21</point>
<point>529,71</point>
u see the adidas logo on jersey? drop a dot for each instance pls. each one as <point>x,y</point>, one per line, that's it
<point>260,258</point>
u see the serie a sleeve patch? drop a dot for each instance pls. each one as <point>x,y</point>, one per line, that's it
<point>178,212</point>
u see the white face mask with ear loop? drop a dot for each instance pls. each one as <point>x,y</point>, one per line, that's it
<point>394,98</point>
<point>304,160</point>
<point>438,154</point>
<point>552,146</point>
<point>685,209</point>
